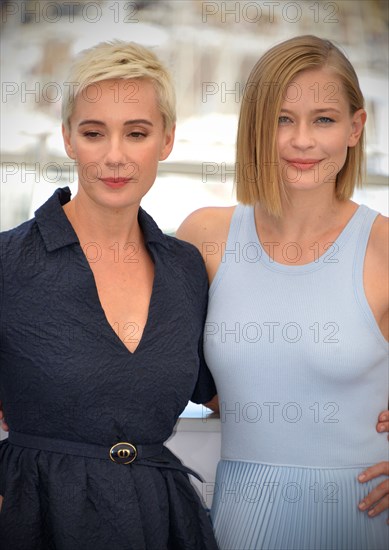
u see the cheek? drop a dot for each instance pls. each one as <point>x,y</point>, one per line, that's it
<point>339,154</point>
<point>336,144</point>
<point>89,171</point>
<point>284,135</point>
<point>343,147</point>
<point>88,167</point>
<point>86,155</point>
<point>149,157</point>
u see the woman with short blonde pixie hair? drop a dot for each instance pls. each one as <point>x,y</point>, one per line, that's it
<point>258,174</point>
<point>112,311</point>
<point>119,60</point>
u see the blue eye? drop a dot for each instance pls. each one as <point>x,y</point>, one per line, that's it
<point>283,120</point>
<point>325,120</point>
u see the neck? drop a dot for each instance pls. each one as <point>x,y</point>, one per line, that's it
<point>106,226</point>
<point>306,214</point>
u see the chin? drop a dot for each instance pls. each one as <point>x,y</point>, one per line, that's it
<point>116,200</point>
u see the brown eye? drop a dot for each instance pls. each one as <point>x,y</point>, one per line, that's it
<point>91,134</point>
<point>137,135</point>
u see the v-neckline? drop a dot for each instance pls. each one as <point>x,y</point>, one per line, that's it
<point>108,326</point>
<point>146,233</point>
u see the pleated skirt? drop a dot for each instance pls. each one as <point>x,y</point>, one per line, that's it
<point>266,507</point>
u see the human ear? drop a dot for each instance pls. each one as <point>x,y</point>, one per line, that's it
<point>167,143</point>
<point>66,141</point>
<point>358,121</point>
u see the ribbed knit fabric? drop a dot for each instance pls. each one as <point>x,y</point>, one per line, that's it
<point>301,369</point>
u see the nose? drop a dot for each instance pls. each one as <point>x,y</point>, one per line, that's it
<point>302,136</point>
<point>116,153</point>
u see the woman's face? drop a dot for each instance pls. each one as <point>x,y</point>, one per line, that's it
<point>117,137</point>
<point>315,129</point>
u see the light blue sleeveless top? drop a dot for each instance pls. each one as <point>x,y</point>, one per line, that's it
<point>300,364</point>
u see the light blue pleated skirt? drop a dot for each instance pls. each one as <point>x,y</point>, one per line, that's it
<point>265,507</point>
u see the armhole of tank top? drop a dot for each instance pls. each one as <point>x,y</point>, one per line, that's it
<point>359,262</point>
<point>233,233</point>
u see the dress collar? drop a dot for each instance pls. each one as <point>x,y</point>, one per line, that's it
<point>57,232</point>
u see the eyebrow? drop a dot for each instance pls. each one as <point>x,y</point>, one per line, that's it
<point>316,111</point>
<point>127,122</point>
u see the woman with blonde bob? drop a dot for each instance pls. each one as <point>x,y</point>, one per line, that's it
<point>266,90</point>
<point>297,324</point>
<point>100,333</point>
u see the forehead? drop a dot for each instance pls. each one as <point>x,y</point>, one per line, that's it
<point>322,86</point>
<point>132,96</point>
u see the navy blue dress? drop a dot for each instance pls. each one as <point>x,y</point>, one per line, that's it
<point>65,374</point>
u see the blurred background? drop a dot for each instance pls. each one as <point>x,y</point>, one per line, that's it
<point>210,48</point>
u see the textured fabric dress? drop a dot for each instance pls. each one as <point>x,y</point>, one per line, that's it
<point>301,369</point>
<point>66,378</point>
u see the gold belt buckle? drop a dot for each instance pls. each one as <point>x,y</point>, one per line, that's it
<point>123,453</point>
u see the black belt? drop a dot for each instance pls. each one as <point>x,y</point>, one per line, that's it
<point>122,453</point>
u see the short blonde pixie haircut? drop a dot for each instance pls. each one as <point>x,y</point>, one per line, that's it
<point>122,61</point>
<point>258,177</point>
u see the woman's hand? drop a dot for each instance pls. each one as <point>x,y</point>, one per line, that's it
<point>383,422</point>
<point>377,500</point>
<point>213,404</point>
<point>3,423</point>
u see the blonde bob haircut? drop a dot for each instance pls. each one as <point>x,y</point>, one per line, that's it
<point>258,177</point>
<point>121,61</point>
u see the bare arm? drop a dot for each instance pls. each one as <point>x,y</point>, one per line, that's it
<point>376,273</point>
<point>207,229</point>
<point>376,283</point>
<point>377,500</point>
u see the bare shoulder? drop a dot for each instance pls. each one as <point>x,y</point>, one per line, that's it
<point>207,229</point>
<point>378,247</point>
<point>209,224</point>
<point>376,272</point>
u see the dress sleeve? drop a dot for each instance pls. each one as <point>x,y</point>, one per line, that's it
<point>205,387</point>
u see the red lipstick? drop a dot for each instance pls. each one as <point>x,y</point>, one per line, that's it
<point>115,183</point>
